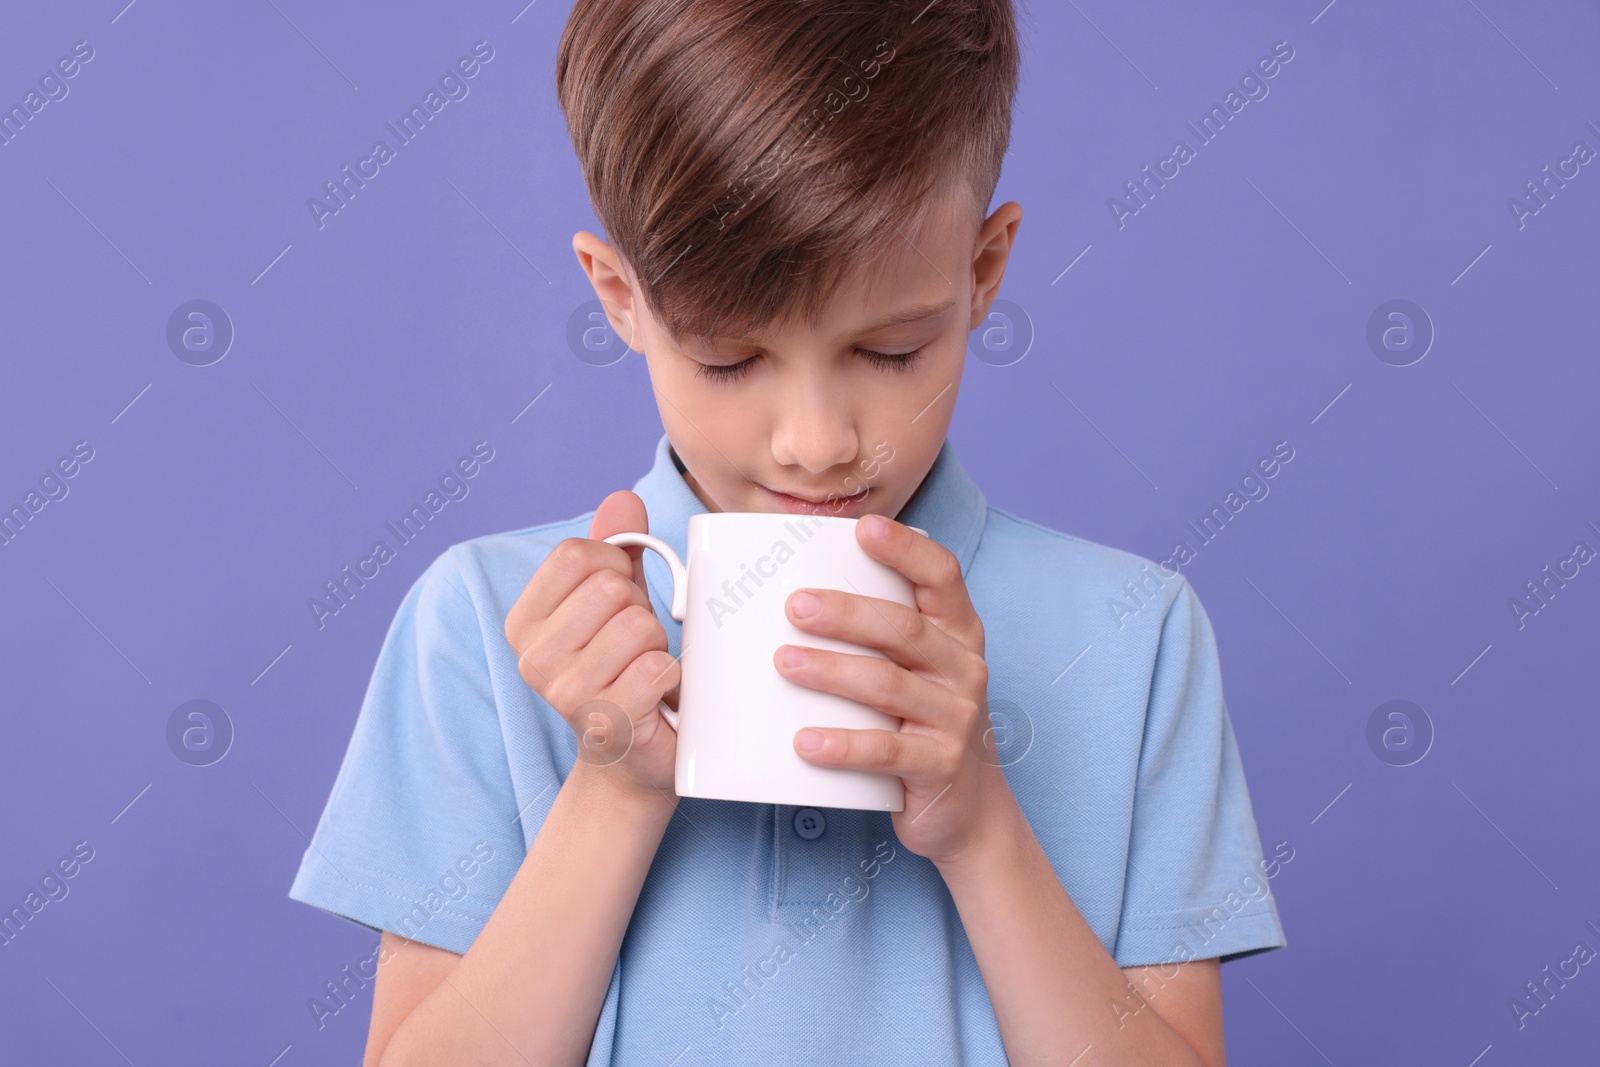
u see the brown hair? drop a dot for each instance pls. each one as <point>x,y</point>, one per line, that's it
<point>744,156</point>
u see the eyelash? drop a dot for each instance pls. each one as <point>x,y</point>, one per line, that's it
<point>895,361</point>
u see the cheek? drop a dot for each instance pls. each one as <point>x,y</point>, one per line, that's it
<point>689,403</point>
<point>899,445</point>
<point>955,353</point>
<point>934,380</point>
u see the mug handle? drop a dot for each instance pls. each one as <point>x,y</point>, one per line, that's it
<point>680,589</point>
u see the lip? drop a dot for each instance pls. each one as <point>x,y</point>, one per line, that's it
<point>796,505</point>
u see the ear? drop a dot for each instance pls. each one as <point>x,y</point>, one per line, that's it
<point>990,256</point>
<point>610,279</point>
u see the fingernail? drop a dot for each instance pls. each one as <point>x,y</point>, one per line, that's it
<point>790,656</point>
<point>804,604</point>
<point>875,525</point>
<point>809,740</point>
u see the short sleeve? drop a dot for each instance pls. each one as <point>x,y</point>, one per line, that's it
<point>419,834</point>
<point>1197,886</point>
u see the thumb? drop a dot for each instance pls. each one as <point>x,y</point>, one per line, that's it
<point>620,512</point>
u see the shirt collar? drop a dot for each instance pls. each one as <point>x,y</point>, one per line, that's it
<point>948,504</point>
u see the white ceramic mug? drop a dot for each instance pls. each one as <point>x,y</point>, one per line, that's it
<point>737,716</point>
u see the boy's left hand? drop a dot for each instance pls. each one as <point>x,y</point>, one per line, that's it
<point>935,680</point>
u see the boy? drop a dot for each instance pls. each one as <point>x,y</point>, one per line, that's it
<point>797,196</point>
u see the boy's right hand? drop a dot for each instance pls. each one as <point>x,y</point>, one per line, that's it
<point>588,642</point>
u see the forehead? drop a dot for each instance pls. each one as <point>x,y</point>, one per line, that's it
<point>927,257</point>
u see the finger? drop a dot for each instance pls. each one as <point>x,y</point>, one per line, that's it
<point>904,634</point>
<point>913,757</point>
<point>575,558</point>
<point>548,645</point>
<point>609,725</point>
<point>576,622</point>
<point>623,512</point>
<point>877,683</point>
<point>932,569</point>
<point>644,681</point>
<point>627,635</point>
<point>564,568</point>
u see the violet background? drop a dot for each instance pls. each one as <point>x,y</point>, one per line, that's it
<point>1229,314</point>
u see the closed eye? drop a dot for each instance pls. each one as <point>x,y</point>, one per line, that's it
<point>895,361</point>
<point>724,372</point>
<point>891,360</point>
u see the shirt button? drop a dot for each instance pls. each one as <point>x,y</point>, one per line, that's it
<point>809,823</point>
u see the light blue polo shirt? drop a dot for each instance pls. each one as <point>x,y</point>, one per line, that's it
<point>780,935</point>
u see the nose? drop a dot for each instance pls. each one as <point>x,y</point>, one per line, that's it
<point>815,426</point>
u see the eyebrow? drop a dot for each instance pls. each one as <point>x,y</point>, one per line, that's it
<point>913,313</point>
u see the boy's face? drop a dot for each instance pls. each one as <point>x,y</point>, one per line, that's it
<point>814,415</point>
